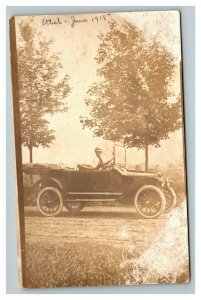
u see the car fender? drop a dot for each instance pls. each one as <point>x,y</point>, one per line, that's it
<point>132,184</point>
<point>51,181</point>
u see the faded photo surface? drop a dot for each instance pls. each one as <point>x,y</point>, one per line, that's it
<point>101,130</point>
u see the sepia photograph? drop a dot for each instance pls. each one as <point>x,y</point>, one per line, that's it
<point>98,114</point>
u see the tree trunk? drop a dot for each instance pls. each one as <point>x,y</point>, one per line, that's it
<point>146,158</point>
<point>30,154</point>
<point>31,160</point>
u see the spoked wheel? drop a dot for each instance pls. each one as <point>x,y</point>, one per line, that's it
<point>49,201</point>
<point>149,201</point>
<point>74,207</point>
<point>170,197</point>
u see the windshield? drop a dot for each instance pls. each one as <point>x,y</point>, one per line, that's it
<point>120,155</point>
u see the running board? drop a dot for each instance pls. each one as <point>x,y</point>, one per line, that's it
<point>94,193</point>
<point>90,200</point>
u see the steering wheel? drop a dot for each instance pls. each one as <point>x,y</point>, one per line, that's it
<point>107,165</point>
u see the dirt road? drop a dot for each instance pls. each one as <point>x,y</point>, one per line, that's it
<point>119,226</point>
<point>98,247</point>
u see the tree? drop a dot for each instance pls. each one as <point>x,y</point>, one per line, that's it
<point>40,91</point>
<point>131,101</point>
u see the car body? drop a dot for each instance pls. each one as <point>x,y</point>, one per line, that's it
<point>147,191</point>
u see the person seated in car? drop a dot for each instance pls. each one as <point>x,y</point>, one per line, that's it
<point>100,166</point>
<point>98,152</point>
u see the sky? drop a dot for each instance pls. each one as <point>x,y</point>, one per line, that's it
<point>78,47</point>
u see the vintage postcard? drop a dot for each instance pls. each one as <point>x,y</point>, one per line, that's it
<point>100,149</point>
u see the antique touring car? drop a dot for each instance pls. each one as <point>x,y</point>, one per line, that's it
<point>73,188</point>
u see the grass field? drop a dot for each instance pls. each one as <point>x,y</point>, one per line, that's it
<point>105,248</point>
<point>75,264</point>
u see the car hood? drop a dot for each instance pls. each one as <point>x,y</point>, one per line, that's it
<point>130,173</point>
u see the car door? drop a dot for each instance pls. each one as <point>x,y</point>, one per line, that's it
<point>94,181</point>
<point>106,181</point>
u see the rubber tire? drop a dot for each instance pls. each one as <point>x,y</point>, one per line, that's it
<point>174,201</point>
<point>162,197</point>
<point>60,205</point>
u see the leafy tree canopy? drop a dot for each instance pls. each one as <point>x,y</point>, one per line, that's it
<point>42,90</point>
<point>131,101</point>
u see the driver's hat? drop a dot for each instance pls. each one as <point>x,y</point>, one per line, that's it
<point>98,150</point>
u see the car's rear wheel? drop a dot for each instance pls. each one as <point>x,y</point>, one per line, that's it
<point>49,201</point>
<point>149,201</point>
<point>74,207</point>
<point>170,197</point>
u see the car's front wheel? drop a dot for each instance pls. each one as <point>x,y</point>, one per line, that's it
<point>171,198</point>
<point>74,207</point>
<point>149,201</point>
<point>49,201</point>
